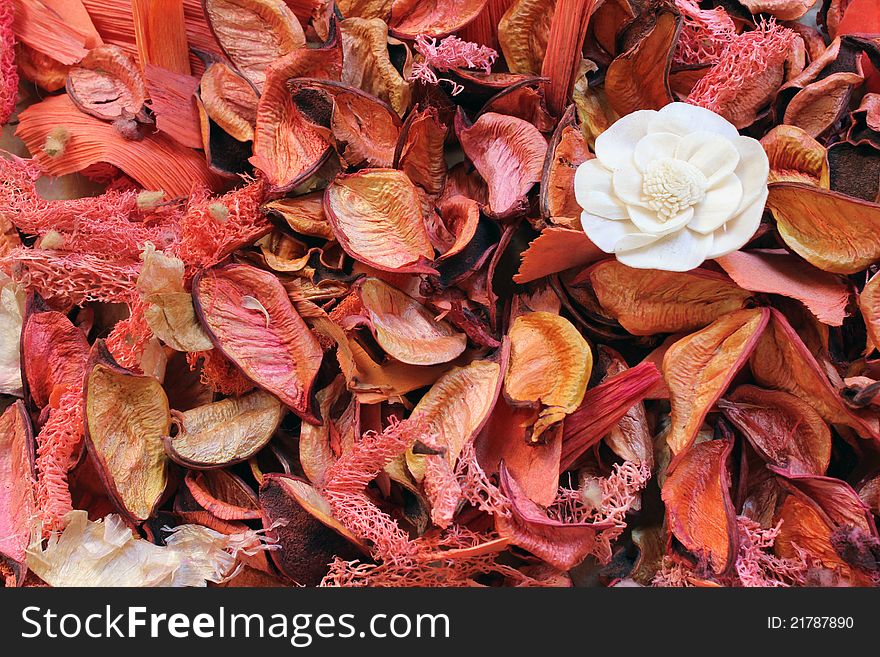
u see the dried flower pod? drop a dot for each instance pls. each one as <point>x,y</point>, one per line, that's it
<point>796,157</point>
<point>225,432</point>
<point>367,63</point>
<point>17,501</point>
<point>435,18</point>
<point>229,100</point>
<point>523,33</point>
<point>107,84</point>
<point>224,495</point>
<point>119,404</point>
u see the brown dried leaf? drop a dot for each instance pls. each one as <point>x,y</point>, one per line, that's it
<point>126,417</point>
<point>631,438</point>
<point>646,302</point>
<point>460,217</point>
<point>271,344</point>
<point>254,33</point>
<point>796,157</point>
<point>376,216</point>
<point>699,368</point>
<point>698,505</point>
<point>107,84</point>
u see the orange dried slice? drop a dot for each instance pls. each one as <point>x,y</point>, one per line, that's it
<point>376,216</point>
<point>254,33</point>
<point>107,84</point>
<point>126,417</point>
<point>699,368</point>
<point>225,432</point>
<point>698,505</point>
<point>249,317</point>
<point>550,366</point>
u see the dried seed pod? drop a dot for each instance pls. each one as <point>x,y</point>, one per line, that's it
<point>229,100</point>
<point>224,495</point>
<point>17,501</point>
<point>107,84</point>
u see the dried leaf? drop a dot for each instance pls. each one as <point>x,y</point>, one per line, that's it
<point>631,438</point>
<point>554,250</point>
<point>817,107</point>
<point>367,63</point>
<point>523,33</point>
<point>224,495</point>
<point>796,157</point>
<point>869,305</point>
<point>17,502</point>
<point>304,214</point>
<point>567,150</point>
<point>460,217</point>
<point>419,152</point>
<point>433,18</point>
<point>107,84</point>
<point>229,100</point>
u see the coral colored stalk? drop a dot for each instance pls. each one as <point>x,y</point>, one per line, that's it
<point>568,29</point>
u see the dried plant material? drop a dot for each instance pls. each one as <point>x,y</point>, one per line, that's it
<point>286,359</point>
<point>17,502</point>
<point>367,63</point>
<point>784,429</point>
<point>435,18</point>
<point>835,498</point>
<point>704,33</point>
<point>632,82</point>
<point>646,302</point>
<point>107,84</point>
<point>173,105</point>
<point>254,33</point>
<point>869,305</point>
<point>160,34</point>
<point>229,100</point>
<point>773,272</point>
<point>8,69</point>
<point>631,438</point>
<point>699,368</point>
<point>224,495</point>
<point>12,309</point>
<point>550,365</point>
<point>796,157</point>
<point>567,150</point>
<point>107,553</point>
<point>698,506</point>
<point>556,250</point>
<point>523,33</point>
<point>804,527</point>
<point>405,329</point>
<point>119,404</point>
<point>509,155</point>
<point>784,10</point>
<point>419,153</point>
<point>832,231</point>
<point>156,162</point>
<point>565,44</point>
<point>61,31</point>
<point>819,105</point>
<point>459,217</point>
<point>225,432</point>
<point>376,216</point>
<point>303,214</point>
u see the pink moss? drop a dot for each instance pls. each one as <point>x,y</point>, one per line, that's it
<point>129,337</point>
<point>219,373</point>
<point>705,33</point>
<point>447,54</point>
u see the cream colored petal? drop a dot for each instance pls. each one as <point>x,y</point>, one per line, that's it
<point>680,251</point>
<point>683,119</point>
<point>616,145</point>
<point>752,170</point>
<point>604,205</point>
<point>591,176</point>
<point>737,232</point>
<point>606,233</point>
<point>647,221</point>
<point>720,204</point>
<point>634,241</point>
<point>655,146</point>
<point>715,156</point>
<point>627,184</point>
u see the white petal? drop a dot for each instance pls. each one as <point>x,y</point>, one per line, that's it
<point>606,233</point>
<point>655,146</point>
<point>683,119</point>
<point>720,204</point>
<point>604,205</point>
<point>736,233</point>
<point>680,251</point>
<point>615,146</point>
<point>646,220</point>
<point>752,170</point>
<point>714,156</point>
<point>634,241</point>
<point>627,185</point>
<point>591,176</point>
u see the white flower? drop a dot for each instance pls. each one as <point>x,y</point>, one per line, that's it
<point>671,188</point>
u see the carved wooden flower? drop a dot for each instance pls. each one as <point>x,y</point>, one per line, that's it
<point>671,188</point>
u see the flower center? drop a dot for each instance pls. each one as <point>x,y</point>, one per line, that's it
<point>671,186</point>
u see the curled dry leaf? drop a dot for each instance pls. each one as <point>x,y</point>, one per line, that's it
<point>805,527</point>
<point>367,63</point>
<point>285,359</point>
<point>419,152</point>
<point>405,329</point>
<point>784,429</point>
<point>509,155</point>
<point>17,503</point>
<point>523,33</point>
<point>376,216</point>
<point>118,405</point>
<point>229,100</point>
<point>796,157</point>
<point>837,233</point>
<point>225,432</point>
<point>646,302</point>
<point>432,18</point>
<point>550,366</point>
<point>835,498</point>
<point>699,368</point>
<point>107,84</point>
<point>254,33</point>
<point>223,494</point>
<point>698,505</point>
<point>567,150</point>
<point>869,305</point>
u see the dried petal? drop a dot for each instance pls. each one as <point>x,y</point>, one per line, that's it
<point>554,250</point>
<point>698,506</point>
<point>460,217</point>
<point>17,502</point>
<point>433,18</point>
<point>367,63</point>
<point>107,84</point>
<point>631,438</point>
<point>567,150</point>
<point>523,33</point>
<point>805,528</point>
<point>285,358</point>
<point>869,304</point>
<point>224,495</point>
<point>699,368</point>
<point>118,405</point>
<point>784,10</point>
<point>419,152</point>
<point>376,216</point>
<point>229,100</point>
<point>304,214</point>
<point>819,106</point>
<point>796,157</point>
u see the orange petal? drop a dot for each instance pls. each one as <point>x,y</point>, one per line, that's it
<point>107,84</point>
<point>806,528</point>
<point>554,250</point>
<point>433,18</point>
<point>17,503</point>
<point>304,214</point>
<point>460,216</point>
<point>508,153</point>
<point>869,304</point>
<point>229,100</point>
<point>376,216</point>
<point>567,150</point>
<point>523,33</point>
<point>699,368</point>
<point>285,358</point>
<point>796,157</point>
<point>60,30</point>
<point>826,296</point>
<point>524,100</point>
<point>646,302</point>
<point>836,499</point>
<point>698,506</point>
<point>223,494</point>
<point>419,152</point>
<point>819,106</point>
<point>368,63</point>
